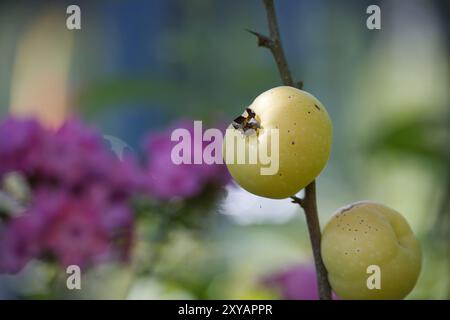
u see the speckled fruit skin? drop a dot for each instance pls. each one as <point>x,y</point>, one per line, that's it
<point>367,233</point>
<point>305,136</point>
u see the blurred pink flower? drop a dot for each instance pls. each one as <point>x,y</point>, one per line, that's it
<point>295,283</point>
<point>166,180</point>
<point>20,143</point>
<point>75,157</point>
<point>19,243</point>
<point>80,196</point>
<point>80,211</point>
<point>74,233</point>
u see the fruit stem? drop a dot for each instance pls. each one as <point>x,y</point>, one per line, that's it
<point>309,202</point>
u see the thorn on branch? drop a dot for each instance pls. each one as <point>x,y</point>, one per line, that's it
<point>263,41</point>
<point>299,84</point>
<point>298,200</point>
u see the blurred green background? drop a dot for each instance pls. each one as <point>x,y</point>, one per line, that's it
<point>137,65</point>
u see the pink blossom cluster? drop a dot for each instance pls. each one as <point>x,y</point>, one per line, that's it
<point>167,180</point>
<point>80,212</point>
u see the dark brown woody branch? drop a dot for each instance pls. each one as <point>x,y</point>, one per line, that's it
<point>309,202</point>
